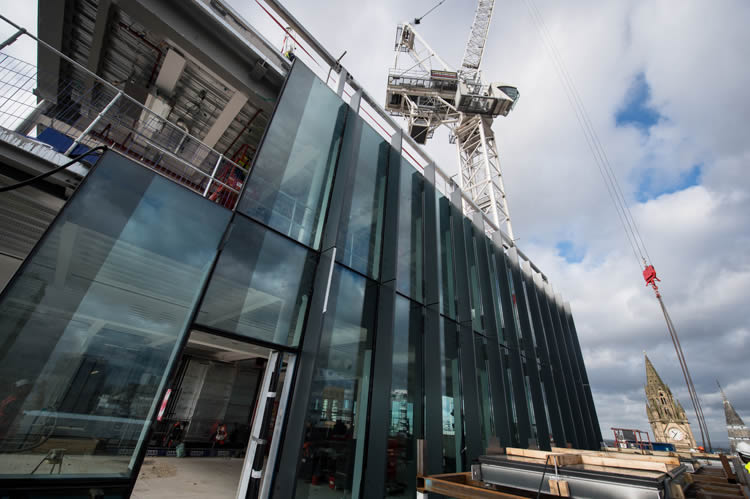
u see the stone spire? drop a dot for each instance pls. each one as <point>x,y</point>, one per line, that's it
<point>652,377</point>
<point>666,415</point>
<point>736,428</point>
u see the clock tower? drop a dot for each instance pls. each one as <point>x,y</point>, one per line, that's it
<point>667,417</point>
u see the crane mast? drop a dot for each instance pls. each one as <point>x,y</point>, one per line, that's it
<point>477,39</point>
<point>429,93</point>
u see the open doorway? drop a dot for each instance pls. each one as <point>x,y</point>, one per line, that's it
<point>204,423</point>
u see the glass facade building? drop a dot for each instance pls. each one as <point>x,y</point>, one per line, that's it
<point>407,322</point>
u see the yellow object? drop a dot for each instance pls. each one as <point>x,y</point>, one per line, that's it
<point>747,467</point>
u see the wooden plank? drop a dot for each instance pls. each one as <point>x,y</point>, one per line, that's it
<point>559,488</point>
<point>676,491</point>
<point>727,468</point>
<point>625,463</point>
<point>561,459</point>
<point>460,486</point>
<point>703,478</point>
<point>675,461</point>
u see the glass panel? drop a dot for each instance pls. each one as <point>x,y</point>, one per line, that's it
<point>406,400</point>
<point>290,182</point>
<point>448,291</point>
<point>361,236</point>
<point>261,286</point>
<point>409,277</point>
<point>483,386</point>
<point>496,282</point>
<point>336,421</point>
<point>471,263</point>
<point>450,380</point>
<point>510,396</point>
<point>90,324</point>
<point>529,404</point>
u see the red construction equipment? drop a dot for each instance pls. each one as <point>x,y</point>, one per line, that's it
<point>649,275</point>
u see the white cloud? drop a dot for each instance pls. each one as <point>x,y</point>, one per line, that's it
<point>694,60</point>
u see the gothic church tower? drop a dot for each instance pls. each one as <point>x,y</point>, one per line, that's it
<point>736,428</point>
<point>668,420</point>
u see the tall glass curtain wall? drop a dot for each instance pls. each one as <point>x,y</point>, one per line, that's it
<point>406,317</point>
<point>92,320</point>
<point>464,359</point>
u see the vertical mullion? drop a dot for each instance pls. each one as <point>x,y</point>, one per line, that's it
<point>511,339</point>
<point>379,420</point>
<point>546,369</point>
<point>596,430</point>
<point>532,369</point>
<point>496,374</point>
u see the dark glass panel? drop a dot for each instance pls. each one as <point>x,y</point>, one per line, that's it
<point>410,277</point>
<point>361,235</point>
<point>473,275</point>
<point>290,182</point>
<point>261,285</point>
<point>448,291</point>
<point>450,383</point>
<point>336,420</point>
<point>483,388</point>
<point>406,400</point>
<point>93,319</point>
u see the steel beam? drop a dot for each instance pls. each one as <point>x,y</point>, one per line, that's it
<point>50,26</point>
<point>101,24</point>
<point>213,44</point>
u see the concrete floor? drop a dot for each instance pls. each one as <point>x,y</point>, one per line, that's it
<point>172,478</point>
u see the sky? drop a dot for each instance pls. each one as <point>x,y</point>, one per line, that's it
<point>665,87</point>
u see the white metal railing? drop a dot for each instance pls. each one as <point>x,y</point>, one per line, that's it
<point>86,111</point>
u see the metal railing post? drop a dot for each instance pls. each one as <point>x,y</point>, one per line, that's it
<point>213,174</point>
<point>12,38</point>
<point>93,123</point>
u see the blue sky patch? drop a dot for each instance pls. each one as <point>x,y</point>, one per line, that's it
<point>572,253</point>
<point>635,110</point>
<point>651,187</point>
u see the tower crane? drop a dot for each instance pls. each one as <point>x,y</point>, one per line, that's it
<point>429,93</point>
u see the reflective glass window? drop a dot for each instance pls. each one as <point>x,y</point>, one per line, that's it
<point>361,234</point>
<point>487,429</point>
<point>337,417</point>
<point>409,277</point>
<point>290,182</point>
<point>473,275</point>
<point>92,321</point>
<point>261,285</point>
<point>448,291</point>
<point>406,400</point>
<point>450,383</point>
<point>496,282</point>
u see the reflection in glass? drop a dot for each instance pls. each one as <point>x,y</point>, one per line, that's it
<point>409,277</point>
<point>361,235</point>
<point>290,182</point>
<point>406,400</point>
<point>496,282</point>
<point>487,429</point>
<point>90,323</point>
<point>336,422</point>
<point>261,285</point>
<point>510,396</point>
<point>471,263</point>
<point>450,384</point>
<point>448,291</point>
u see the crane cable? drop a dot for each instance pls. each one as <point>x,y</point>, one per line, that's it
<point>418,20</point>
<point>615,192</point>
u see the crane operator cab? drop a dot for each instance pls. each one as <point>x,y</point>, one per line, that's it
<point>495,99</point>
